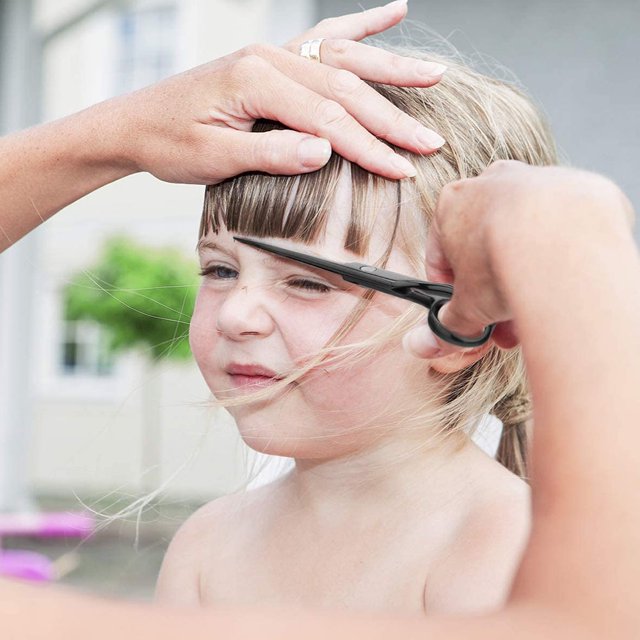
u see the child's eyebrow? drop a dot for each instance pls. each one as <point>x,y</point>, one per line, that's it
<point>269,258</point>
<point>209,244</point>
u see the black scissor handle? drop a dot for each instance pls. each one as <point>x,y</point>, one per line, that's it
<point>442,332</point>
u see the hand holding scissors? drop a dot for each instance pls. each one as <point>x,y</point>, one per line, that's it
<point>483,225</point>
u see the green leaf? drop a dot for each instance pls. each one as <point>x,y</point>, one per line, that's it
<point>142,296</point>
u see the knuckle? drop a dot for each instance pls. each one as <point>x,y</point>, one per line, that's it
<point>399,121</point>
<point>447,192</point>
<point>371,147</point>
<point>466,319</point>
<point>397,63</point>
<point>257,49</point>
<point>248,64</point>
<point>267,151</point>
<point>501,165</point>
<point>337,46</point>
<point>326,23</point>
<point>330,113</point>
<point>342,82</point>
<point>607,190</point>
<point>447,198</point>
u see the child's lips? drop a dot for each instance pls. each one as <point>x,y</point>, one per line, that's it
<point>251,375</point>
<point>250,370</point>
<point>240,380</point>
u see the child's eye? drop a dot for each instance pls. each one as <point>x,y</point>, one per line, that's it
<point>309,285</point>
<point>219,272</point>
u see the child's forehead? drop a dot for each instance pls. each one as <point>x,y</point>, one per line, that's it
<point>377,219</point>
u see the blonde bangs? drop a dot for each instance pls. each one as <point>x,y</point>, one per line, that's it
<point>293,207</point>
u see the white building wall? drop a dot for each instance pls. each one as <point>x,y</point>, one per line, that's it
<point>88,432</point>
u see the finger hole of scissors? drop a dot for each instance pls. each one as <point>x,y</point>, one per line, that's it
<point>448,336</point>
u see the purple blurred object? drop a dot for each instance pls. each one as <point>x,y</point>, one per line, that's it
<point>29,565</point>
<point>26,565</point>
<point>46,525</point>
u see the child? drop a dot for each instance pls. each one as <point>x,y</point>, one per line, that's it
<point>390,505</point>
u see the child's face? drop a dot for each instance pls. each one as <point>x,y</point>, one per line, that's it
<point>257,310</point>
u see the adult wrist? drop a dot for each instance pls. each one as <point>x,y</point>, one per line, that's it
<point>109,145</point>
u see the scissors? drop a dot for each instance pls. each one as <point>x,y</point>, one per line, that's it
<point>431,295</point>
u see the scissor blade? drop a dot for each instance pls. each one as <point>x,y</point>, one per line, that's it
<point>364,275</point>
<point>335,267</point>
<point>427,294</point>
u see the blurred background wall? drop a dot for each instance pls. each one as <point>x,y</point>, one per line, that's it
<point>577,58</point>
<point>82,419</point>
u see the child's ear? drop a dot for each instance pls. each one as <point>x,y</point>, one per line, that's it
<point>458,360</point>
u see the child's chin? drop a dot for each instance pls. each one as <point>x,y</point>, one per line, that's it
<point>273,446</point>
<point>267,434</point>
<point>275,442</point>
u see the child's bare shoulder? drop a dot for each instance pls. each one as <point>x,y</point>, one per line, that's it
<point>213,524</point>
<point>478,571</point>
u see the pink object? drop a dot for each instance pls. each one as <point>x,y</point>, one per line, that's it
<point>26,565</point>
<point>46,525</point>
<point>29,565</point>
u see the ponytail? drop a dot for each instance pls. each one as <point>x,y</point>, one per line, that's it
<point>514,412</point>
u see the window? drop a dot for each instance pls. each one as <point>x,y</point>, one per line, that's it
<point>84,350</point>
<point>147,51</point>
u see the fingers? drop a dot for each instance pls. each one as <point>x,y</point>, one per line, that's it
<point>364,105</point>
<point>423,343</point>
<point>356,26</point>
<point>281,152</point>
<point>306,110</point>
<point>374,112</point>
<point>378,65</point>
<point>505,335</point>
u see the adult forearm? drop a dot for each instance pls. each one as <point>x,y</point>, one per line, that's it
<point>104,620</point>
<point>574,288</point>
<point>45,168</point>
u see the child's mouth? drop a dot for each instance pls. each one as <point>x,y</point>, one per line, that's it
<point>242,380</point>
<point>255,376</point>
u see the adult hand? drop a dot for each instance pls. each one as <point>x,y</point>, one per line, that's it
<point>196,127</point>
<point>478,219</point>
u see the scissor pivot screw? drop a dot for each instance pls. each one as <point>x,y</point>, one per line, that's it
<point>368,269</point>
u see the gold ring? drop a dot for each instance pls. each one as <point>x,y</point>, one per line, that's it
<point>310,49</point>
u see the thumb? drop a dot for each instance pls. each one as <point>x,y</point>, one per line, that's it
<point>423,343</point>
<point>280,152</point>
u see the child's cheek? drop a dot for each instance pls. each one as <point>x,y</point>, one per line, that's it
<point>308,330</point>
<point>202,328</point>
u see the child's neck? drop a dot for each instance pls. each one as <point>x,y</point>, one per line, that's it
<point>332,491</point>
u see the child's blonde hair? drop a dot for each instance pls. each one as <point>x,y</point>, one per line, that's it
<point>482,120</point>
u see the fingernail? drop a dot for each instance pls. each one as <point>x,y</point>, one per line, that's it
<point>421,342</point>
<point>395,2</point>
<point>402,164</point>
<point>429,138</point>
<point>314,152</point>
<point>430,68</point>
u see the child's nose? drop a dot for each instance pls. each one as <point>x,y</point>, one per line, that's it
<point>244,314</point>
